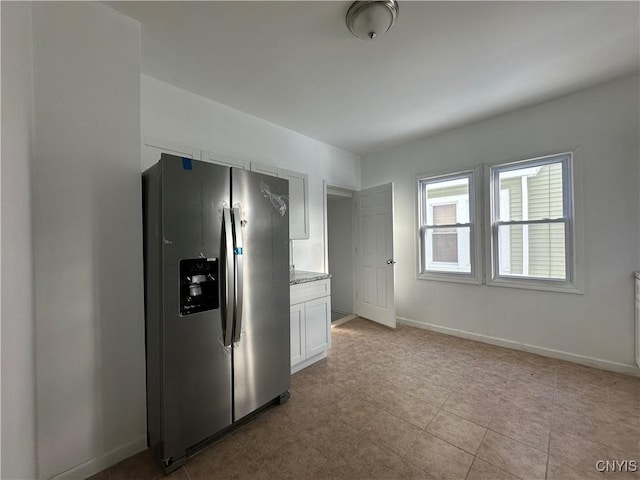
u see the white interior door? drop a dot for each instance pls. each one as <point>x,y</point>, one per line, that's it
<point>375,265</point>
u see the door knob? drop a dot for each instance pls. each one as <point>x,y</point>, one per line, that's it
<point>391,261</point>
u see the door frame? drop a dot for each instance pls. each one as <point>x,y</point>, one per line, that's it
<point>326,186</point>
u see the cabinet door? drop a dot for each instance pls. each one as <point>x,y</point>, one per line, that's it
<point>298,346</point>
<point>318,325</point>
<point>264,168</point>
<point>298,204</point>
<point>225,160</point>
<point>153,148</point>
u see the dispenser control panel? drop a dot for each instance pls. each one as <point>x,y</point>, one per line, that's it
<point>199,289</point>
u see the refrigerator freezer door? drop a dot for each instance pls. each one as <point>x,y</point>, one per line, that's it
<point>261,370</point>
<point>196,367</point>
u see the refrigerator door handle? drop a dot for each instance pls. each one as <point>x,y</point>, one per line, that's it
<point>237,255</point>
<point>229,274</point>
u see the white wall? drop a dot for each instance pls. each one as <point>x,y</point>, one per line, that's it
<point>18,356</point>
<point>88,237</point>
<point>603,122</point>
<point>340,239</point>
<point>176,115</point>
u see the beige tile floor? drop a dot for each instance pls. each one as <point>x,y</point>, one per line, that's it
<point>413,404</point>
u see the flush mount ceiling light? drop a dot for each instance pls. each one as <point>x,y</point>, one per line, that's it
<point>368,19</point>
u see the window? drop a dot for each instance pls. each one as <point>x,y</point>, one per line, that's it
<point>530,230</point>
<point>446,227</point>
<point>531,223</point>
<point>445,240</point>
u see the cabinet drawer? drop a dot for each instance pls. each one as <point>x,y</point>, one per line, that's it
<point>303,292</point>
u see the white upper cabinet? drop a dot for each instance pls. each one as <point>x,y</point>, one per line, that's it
<point>298,204</point>
<point>298,182</point>
<point>171,147</point>
<point>220,159</point>
<point>264,168</point>
<point>154,147</point>
<point>298,198</point>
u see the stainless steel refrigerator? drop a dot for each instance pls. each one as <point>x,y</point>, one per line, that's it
<point>216,301</point>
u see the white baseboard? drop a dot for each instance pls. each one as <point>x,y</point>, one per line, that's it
<point>343,320</point>
<point>97,464</point>
<point>545,352</point>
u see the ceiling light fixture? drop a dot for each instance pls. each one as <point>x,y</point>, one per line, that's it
<point>368,19</point>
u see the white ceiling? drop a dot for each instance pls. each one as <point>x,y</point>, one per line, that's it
<point>443,64</point>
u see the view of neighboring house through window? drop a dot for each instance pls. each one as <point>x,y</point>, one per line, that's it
<point>445,223</point>
<point>531,219</point>
<point>445,240</point>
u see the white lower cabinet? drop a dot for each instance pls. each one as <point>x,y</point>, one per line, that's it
<point>298,335</point>
<point>310,324</point>
<point>638,332</point>
<point>317,320</point>
<point>637,322</point>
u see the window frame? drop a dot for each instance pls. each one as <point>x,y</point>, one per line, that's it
<point>475,236</point>
<point>571,283</point>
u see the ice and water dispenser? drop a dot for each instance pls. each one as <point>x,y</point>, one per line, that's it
<point>198,285</point>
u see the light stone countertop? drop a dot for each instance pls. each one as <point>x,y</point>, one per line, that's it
<point>301,276</point>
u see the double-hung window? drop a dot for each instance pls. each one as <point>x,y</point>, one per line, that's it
<point>531,223</point>
<point>446,227</point>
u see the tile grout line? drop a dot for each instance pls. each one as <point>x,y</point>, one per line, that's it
<point>517,406</point>
<point>507,436</point>
<point>476,455</point>
<point>553,403</point>
<point>424,430</point>
<point>498,467</point>
<point>187,472</point>
<point>517,440</point>
<point>435,434</point>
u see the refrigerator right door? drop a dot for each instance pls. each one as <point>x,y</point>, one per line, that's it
<point>261,351</point>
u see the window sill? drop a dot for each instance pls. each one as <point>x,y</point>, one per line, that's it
<point>535,285</point>
<point>450,277</point>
